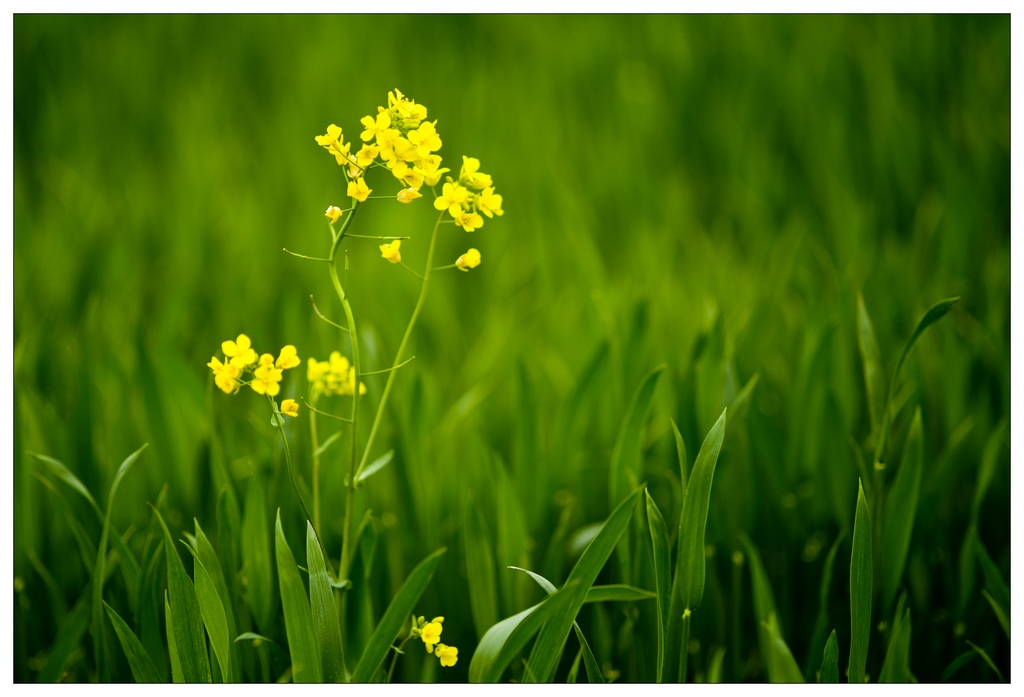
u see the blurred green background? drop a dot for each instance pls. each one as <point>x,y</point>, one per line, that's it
<point>711,193</point>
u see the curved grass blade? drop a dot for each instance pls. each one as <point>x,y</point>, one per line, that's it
<point>298,620</point>
<point>830,661</point>
<point>215,619</point>
<point>715,666</point>
<point>989,461</point>
<point>998,592</point>
<point>172,646</point>
<point>662,574</point>
<point>764,607</point>
<point>626,455</point>
<point>900,507</point>
<point>553,636</point>
<point>211,564</point>
<point>782,666</point>
<point>688,583</point>
<point>958,663</point>
<point>618,593</point>
<point>139,661</point>
<point>503,642</point>
<point>684,468</point>
<point>68,477</point>
<point>390,625</point>
<point>871,357</point>
<point>325,611</point>
<point>259,572</point>
<point>821,622</point>
<point>483,590</point>
<point>575,669</point>
<point>740,405</point>
<point>189,636</point>
<point>593,670</point>
<point>373,468</point>
<point>988,660</point>
<point>896,668</point>
<point>68,636</point>
<point>860,590</point>
<point>1000,613</point>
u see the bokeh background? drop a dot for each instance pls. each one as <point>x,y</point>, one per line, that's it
<point>711,193</point>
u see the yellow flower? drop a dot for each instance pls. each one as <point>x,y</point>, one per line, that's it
<point>316,369</point>
<point>390,251</point>
<point>266,379</point>
<point>470,176</point>
<point>290,407</point>
<point>333,212</point>
<point>469,260</point>
<point>431,633</point>
<point>386,141</point>
<point>239,351</point>
<point>468,221</point>
<point>225,375</point>
<point>366,154</point>
<point>358,190</point>
<point>288,358</point>
<point>490,203</point>
<point>338,363</point>
<point>375,126</point>
<point>266,359</point>
<point>333,134</point>
<point>425,139</point>
<point>452,195</point>
<point>449,655</point>
<point>408,195</point>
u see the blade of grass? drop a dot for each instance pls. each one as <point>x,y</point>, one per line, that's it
<point>325,611</point>
<point>998,590</point>
<point>68,637</point>
<point>211,563</point>
<point>871,358</point>
<point>898,516</point>
<point>830,661</point>
<point>860,590</point>
<point>988,660</point>
<point>552,638</point>
<point>715,666</point>
<point>618,592</point>
<point>480,576</point>
<point>824,589</point>
<point>256,557</point>
<point>298,620</point>
<point>138,660</point>
<point>177,675</point>
<point>688,582</point>
<point>782,667</point>
<point>958,663</point>
<point>390,625</point>
<point>626,454</point>
<point>662,574</point>
<point>896,668</point>
<point>215,619</point>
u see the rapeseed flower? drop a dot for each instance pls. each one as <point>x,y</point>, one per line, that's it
<point>358,190</point>
<point>449,655</point>
<point>239,351</point>
<point>335,376</point>
<point>468,220</point>
<point>408,195</point>
<point>489,203</point>
<point>290,407</point>
<point>469,260</point>
<point>266,379</point>
<point>451,199</point>
<point>287,358</point>
<point>241,358</point>
<point>391,253</point>
<point>225,375</point>
<point>333,212</point>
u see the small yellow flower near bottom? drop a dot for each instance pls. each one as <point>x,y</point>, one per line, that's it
<point>469,260</point>
<point>391,253</point>
<point>290,407</point>
<point>449,655</point>
<point>333,212</point>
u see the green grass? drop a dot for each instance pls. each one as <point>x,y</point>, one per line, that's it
<point>749,215</point>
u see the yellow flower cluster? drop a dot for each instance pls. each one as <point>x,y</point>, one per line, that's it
<point>264,373</point>
<point>430,633</point>
<point>470,196</point>
<point>334,376</point>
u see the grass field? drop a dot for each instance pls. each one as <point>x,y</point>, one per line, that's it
<point>703,215</point>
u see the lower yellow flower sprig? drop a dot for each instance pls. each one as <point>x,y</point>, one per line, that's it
<point>242,367</point>
<point>430,633</point>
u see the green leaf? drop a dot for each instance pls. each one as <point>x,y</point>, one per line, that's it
<point>139,661</point>
<point>896,668</point>
<point>215,619</point>
<point>956,665</point>
<point>68,636</point>
<point>503,642</point>
<point>390,625</point>
<point>298,621</point>
<point>662,574</point>
<point>68,477</point>
<point>740,405</point>
<point>574,670</point>
<point>830,661</point>
<point>1000,613</point>
<point>988,660</point>
<point>553,636</point>
<point>99,571</point>
<point>684,468</point>
<point>253,636</point>
<point>824,589</point>
<point>325,611</point>
<point>187,625</point>
<point>782,666</point>
<point>211,564</point>
<point>626,455</point>
<point>372,468</point>
<point>989,461</point>
<point>618,592</point>
<point>483,590</point>
<point>256,557</point>
<point>326,444</point>
<point>715,666</point>
<point>688,583</point>
<point>898,517</point>
<point>998,590</point>
<point>860,590</point>
<point>593,670</point>
<point>177,675</point>
<point>764,607</point>
<point>871,357</point>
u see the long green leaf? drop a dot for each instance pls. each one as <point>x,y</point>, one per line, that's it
<point>1000,612</point>
<point>988,660</point>
<point>480,576</point>
<point>553,636</point>
<point>989,461</point>
<point>782,666</point>
<point>189,637</point>
<point>824,590</point>
<point>626,455</point>
<point>325,611</point>
<point>830,661</point>
<point>68,636</point>
<point>860,590</point>
<point>211,563</point>
<point>688,582</point>
<point>390,625</point>
<point>177,675</point>
<point>684,467</point>
<point>298,620</point>
<point>871,358</point>
<point>139,661</point>
<point>662,574</point>
<point>958,663</point>
<point>215,619</point>
<point>618,592</point>
<point>998,590</point>
<point>896,668</point>
<point>503,642</point>
<point>898,517</point>
<point>764,607</point>
<point>256,557</point>
<point>68,477</point>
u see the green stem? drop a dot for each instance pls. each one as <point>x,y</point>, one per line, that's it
<point>394,659</point>
<point>684,650</point>
<point>401,350</point>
